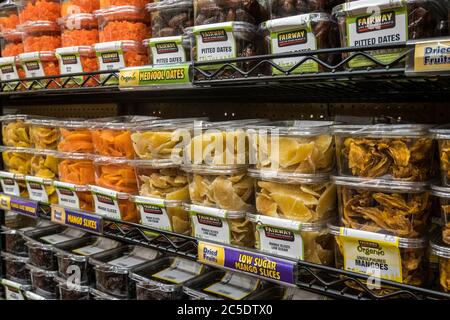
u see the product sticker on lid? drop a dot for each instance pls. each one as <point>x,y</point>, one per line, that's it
<point>153,213</point>
<point>9,184</point>
<point>106,202</point>
<point>32,65</point>
<point>215,43</point>
<point>36,189</point>
<point>8,69</point>
<point>67,195</point>
<point>56,238</point>
<point>210,224</point>
<point>234,286</point>
<point>69,61</point>
<point>181,270</point>
<point>370,253</point>
<point>12,293</point>
<point>127,261</point>
<point>110,57</point>
<point>377,27</point>
<point>167,50</point>
<point>431,56</point>
<point>88,250</point>
<point>279,236</point>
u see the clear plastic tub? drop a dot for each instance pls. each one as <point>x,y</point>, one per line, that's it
<point>43,133</point>
<point>112,269</point>
<point>9,16</point>
<point>115,174</point>
<point>39,10</point>
<point>305,198</point>
<point>43,282</point>
<point>287,8</point>
<point>17,160</point>
<point>400,21</point>
<point>224,226</point>
<point>44,164</point>
<point>168,50</point>
<point>70,7</point>
<point>306,241</point>
<point>163,279</point>
<point>442,251</point>
<point>122,23</point>
<point>305,147</point>
<point>215,11</point>
<point>395,208</point>
<point>396,152</point>
<point>16,268</point>
<point>412,254</point>
<point>41,36</point>
<point>442,135</point>
<point>75,254</point>
<point>15,132</point>
<point>11,45</point>
<point>444,201</point>
<point>71,292</point>
<point>105,4</point>
<point>11,69</point>
<point>170,17</point>
<point>40,64</point>
<point>314,31</point>
<point>221,187</point>
<point>79,30</point>
<point>75,137</point>
<point>14,242</point>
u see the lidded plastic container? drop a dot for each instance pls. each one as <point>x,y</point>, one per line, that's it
<point>168,50</point>
<point>70,7</point>
<point>15,132</point>
<point>104,4</point>
<point>302,197</point>
<point>115,174</point>
<point>44,133</point>
<point>223,226</point>
<point>40,64</point>
<point>14,242</point>
<point>122,23</point>
<point>442,251</point>
<point>444,201</point>
<point>11,45</point>
<point>287,8</point>
<point>112,269</point>
<point>442,135</point>
<point>306,32</point>
<point>79,30</point>
<point>16,268</point>
<point>75,136</point>
<point>43,282</point>
<point>17,160</point>
<point>396,152</point>
<point>44,164</point>
<point>39,10</point>
<point>228,188</point>
<point>170,17</point>
<point>73,292</point>
<point>41,36</point>
<point>10,70</point>
<point>163,279</point>
<point>9,16</point>
<point>410,260</point>
<point>394,208</point>
<point>304,147</point>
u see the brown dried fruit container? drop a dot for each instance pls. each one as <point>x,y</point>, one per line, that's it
<point>304,198</point>
<point>442,251</point>
<point>444,200</point>
<point>43,282</point>
<point>217,11</point>
<point>287,8</point>
<point>73,292</point>
<point>16,268</point>
<point>442,135</point>
<point>395,152</point>
<point>395,208</point>
<point>170,17</point>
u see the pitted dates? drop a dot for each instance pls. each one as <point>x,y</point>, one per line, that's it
<point>287,8</point>
<point>167,22</point>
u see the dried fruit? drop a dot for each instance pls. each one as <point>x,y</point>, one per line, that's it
<point>154,144</point>
<point>17,162</point>
<point>242,232</point>
<point>44,137</point>
<point>118,177</point>
<point>444,270</point>
<point>76,140</point>
<point>69,7</point>
<point>444,156</point>
<point>40,10</point>
<point>16,134</point>
<point>79,172</point>
<point>113,143</point>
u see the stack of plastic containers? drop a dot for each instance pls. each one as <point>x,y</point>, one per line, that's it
<point>384,199</point>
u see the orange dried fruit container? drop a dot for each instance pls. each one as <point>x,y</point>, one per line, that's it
<point>76,60</point>
<point>75,137</point>
<point>69,7</point>
<point>39,64</point>
<point>39,10</point>
<point>40,36</point>
<point>105,4</point>
<point>79,30</point>
<point>9,17</point>
<point>12,43</point>
<point>115,174</point>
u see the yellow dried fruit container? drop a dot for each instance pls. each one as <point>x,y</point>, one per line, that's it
<point>442,251</point>
<point>44,133</point>
<point>44,164</point>
<point>17,160</point>
<point>15,131</point>
<point>443,193</point>
<point>442,135</point>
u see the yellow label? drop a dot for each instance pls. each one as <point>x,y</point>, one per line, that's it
<point>5,202</point>
<point>128,77</point>
<point>372,254</point>
<point>432,56</point>
<point>211,254</point>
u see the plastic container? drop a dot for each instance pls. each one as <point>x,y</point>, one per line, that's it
<point>442,135</point>
<point>396,152</point>
<point>41,36</point>
<point>168,50</point>
<point>75,137</point>
<point>412,20</point>
<point>76,254</point>
<point>115,174</point>
<point>10,70</point>
<point>79,30</point>
<point>104,4</point>
<point>221,187</point>
<point>224,226</point>
<point>442,251</point>
<point>16,268</point>
<point>396,208</point>
<point>44,133</point>
<point>412,254</point>
<point>305,198</point>
<point>163,279</point>
<point>11,45</point>
<point>44,164</point>
<point>444,200</point>
<point>39,10</point>
<point>71,292</point>
<point>314,31</point>
<point>43,282</point>
<point>112,269</point>
<point>76,168</point>
<point>170,17</point>
<point>287,8</point>
<point>40,64</point>
<point>114,204</point>
<point>305,147</point>
<point>214,11</point>
<point>17,160</point>
<point>122,23</point>
<point>15,132</point>
<point>70,7</point>
<point>9,16</point>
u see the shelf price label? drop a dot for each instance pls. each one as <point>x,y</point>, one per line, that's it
<point>5,202</point>
<point>431,56</point>
<point>264,266</point>
<point>24,206</point>
<point>77,219</point>
<point>157,75</point>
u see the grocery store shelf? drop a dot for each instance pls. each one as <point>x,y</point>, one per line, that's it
<point>320,279</point>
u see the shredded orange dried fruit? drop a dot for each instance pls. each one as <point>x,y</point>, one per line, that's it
<point>79,37</point>
<point>113,143</point>
<point>40,10</point>
<point>128,211</point>
<point>77,140</point>
<point>41,43</point>
<point>77,171</point>
<point>118,177</point>
<point>69,7</point>
<point>124,30</point>
<point>9,22</point>
<point>12,49</point>
<point>135,59</point>
<point>110,3</point>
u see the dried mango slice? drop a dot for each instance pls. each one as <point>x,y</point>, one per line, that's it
<point>78,141</point>
<point>16,134</point>
<point>80,172</point>
<point>118,177</point>
<point>114,143</point>
<point>44,137</point>
<point>318,247</point>
<point>444,271</point>
<point>444,156</point>
<point>44,166</point>
<point>17,162</point>
<point>242,232</point>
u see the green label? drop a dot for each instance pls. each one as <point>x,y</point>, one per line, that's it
<point>158,75</point>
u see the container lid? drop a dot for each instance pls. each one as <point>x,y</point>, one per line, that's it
<point>295,127</point>
<point>439,191</point>
<point>287,224</point>
<point>384,130</point>
<point>118,123</point>
<point>234,124</point>
<point>113,160</point>
<point>361,6</point>
<point>82,50</point>
<point>117,194</point>
<point>43,55</point>
<point>441,132</point>
<point>214,170</point>
<point>17,149</point>
<point>287,23</point>
<point>168,124</point>
<point>288,177</point>
<point>241,30</point>
<point>14,117</point>
<point>78,20</point>
<point>439,248</point>
<point>124,45</point>
<point>74,156</point>
<point>151,164</point>
<point>12,35</point>
<point>101,295</point>
<point>169,4</point>
<point>217,212</point>
<point>405,243</point>
<point>185,41</point>
<point>35,270</point>
<point>43,122</point>
<point>166,203</point>
<point>72,122</point>
<point>380,184</point>
<point>13,258</point>
<point>127,261</point>
<point>39,26</point>
<point>120,12</point>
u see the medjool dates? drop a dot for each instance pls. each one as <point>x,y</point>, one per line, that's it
<point>170,18</point>
<point>216,11</point>
<point>287,8</point>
